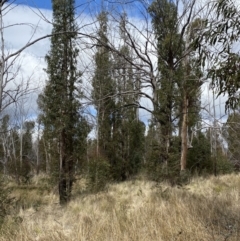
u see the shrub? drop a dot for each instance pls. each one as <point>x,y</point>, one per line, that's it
<point>98,174</point>
<point>6,200</point>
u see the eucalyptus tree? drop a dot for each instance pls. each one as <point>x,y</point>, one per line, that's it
<point>218,45</point>
<point>169,48</point>
<point>179,81</point>
<point>190,90</point>
<point>158,54</point>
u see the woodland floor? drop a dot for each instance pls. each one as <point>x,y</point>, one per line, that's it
<point>205,209</point>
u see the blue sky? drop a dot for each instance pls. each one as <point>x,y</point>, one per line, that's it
<point>46,4</point>
<point>32,59</point>
<point>89,6</point>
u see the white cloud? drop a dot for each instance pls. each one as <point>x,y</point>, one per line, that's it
<point>22,25</point>
<point>18,33</point>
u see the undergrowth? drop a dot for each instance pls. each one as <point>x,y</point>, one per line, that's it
<point>204,209</point>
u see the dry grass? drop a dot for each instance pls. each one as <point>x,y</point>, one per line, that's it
<point>206,209</point>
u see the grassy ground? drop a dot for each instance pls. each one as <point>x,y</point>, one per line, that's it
<point>205,209</point>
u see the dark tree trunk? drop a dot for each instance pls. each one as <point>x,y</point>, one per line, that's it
<point>66,168</point>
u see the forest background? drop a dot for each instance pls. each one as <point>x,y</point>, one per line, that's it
<point>112,90</point>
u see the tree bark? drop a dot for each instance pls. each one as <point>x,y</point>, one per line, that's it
<point>66,170</point>
<point>184,146</point>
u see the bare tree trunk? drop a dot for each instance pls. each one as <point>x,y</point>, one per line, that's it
<point>38,139</point>
<point>47,156</point>
<point>5,152</point>
<point>97,134</point>
<point>66,170</point>
<point>15,159</point>
<point>215,137</point>
<point>21,147</point>
<point>184,146</point>
<point>2,61</point>
<point>62,179</point>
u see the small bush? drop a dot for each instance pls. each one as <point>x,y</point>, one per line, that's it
<point>6,200</point>
<point>98,174</point>
<point>224,166</point>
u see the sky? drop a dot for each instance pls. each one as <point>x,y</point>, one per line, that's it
<point>22,25</point>
<point>38,13</point>
<point>44,4</point>
<point>27,21</point>
<point>47,4</point>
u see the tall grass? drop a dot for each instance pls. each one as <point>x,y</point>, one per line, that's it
<point>205,209</point>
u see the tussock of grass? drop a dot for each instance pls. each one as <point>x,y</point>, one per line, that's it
<point>205,209</point>
<point>34,194</point>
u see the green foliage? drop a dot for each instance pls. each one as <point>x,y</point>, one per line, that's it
<point>153,164</point>
<point>27,140</point>
<point>170,47</point>
<point>153,154</point>
<point>157,169</point>
<point>199,156</point>
<point>98,174</point>
<point>232,135</point>
<point>201,161</point>
<point>6,201</point>
<point>224,166</point>
<point>226,78</point>
<point>103,89</point>
<point>128,149</point>
<point>223,32</point>
<point>28,158</point>
<point>136,146</point>
<point>65,127</point>
<point>165,22</point>
<point>120,135</point>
